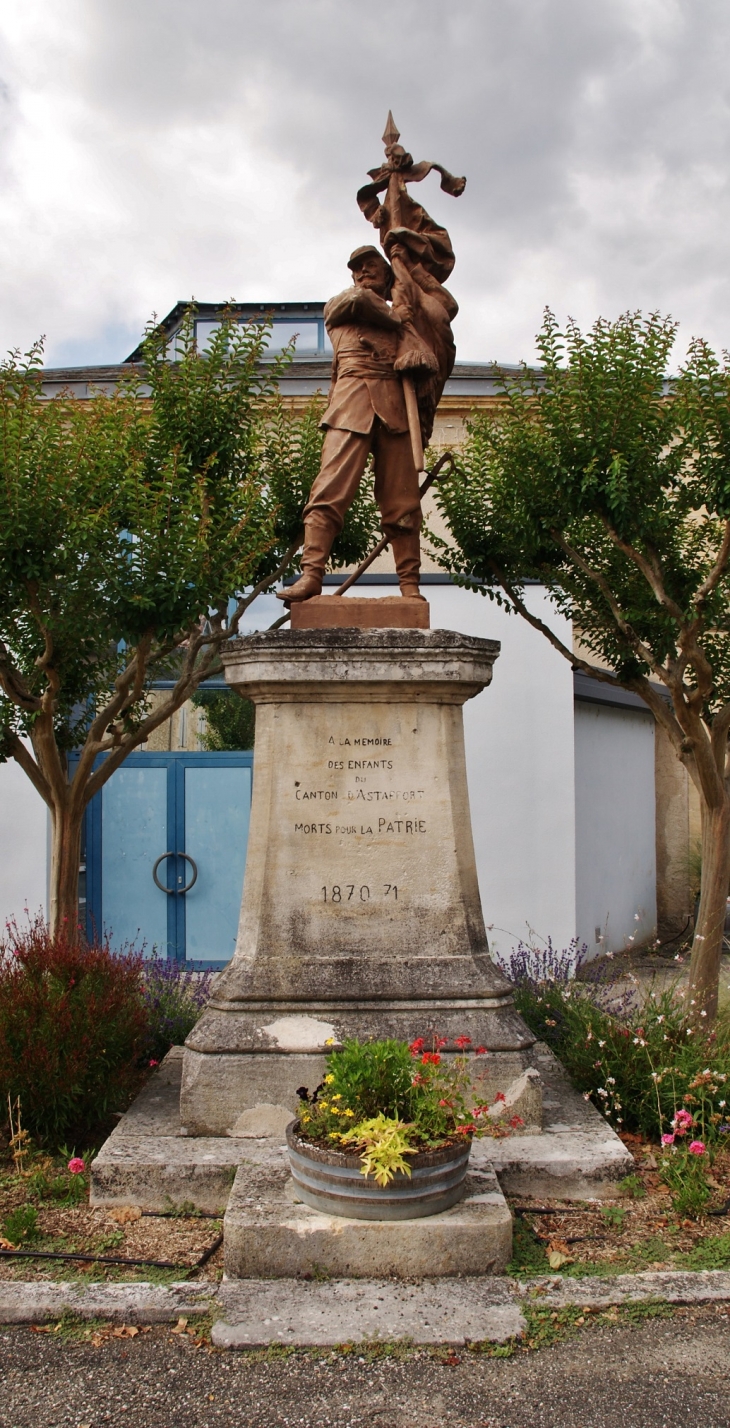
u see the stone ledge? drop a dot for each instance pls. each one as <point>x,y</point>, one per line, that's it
<point>268,1233</point>
<point>147,1161</point>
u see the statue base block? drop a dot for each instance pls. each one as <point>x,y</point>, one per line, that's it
<point>361,914</point>
<point>395,612</point>
<point>270,1234</point>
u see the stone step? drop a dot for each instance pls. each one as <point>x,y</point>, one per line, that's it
<point>269,1232</point>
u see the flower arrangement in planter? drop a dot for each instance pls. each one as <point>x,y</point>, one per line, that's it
<point>387,1133</point>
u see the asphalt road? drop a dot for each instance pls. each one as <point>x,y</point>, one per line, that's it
<point>654,1375</point>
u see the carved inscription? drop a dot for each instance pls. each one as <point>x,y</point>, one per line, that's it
<point>361,775</point>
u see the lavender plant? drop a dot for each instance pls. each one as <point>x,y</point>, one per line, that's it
<point>175,997</point>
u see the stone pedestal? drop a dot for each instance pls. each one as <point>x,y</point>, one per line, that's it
<point>361,913</point>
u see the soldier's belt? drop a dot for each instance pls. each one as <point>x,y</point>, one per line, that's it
<point>359,367</point>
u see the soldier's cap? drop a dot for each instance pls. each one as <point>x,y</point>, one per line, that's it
<point>364,252</point>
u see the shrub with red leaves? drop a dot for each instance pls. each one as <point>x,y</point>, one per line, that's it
<point>73,1026</point>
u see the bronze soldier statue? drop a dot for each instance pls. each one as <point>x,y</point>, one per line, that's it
<point>393,351</point>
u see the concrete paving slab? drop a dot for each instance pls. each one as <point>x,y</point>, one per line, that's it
<point>353,1311</point>
<point>269,1233</point>
<point>40,1302</point>
<point>672,1285</point>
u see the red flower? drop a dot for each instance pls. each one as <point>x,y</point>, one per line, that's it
<point>500,1096</point>
<point>416,1047</point>
<point>466,1130</point>
<point>462,1041</point>
<point>441,1041</point>
<point>430,1058</point>
<point>481,1051</point>
<point>516,1121</point>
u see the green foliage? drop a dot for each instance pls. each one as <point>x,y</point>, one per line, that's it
<point>638,1064</point>
<point>529,1255</point>
<point>21,1224</point>
<point>614,1216</point>
<point>230,720</point>
<point>123,519</point>
<point>588,458</point>
<point>62,1189</point>
<point>633,1186</point>
<point>289,457</point>
<point>384,1143</point>
<point>685,1176</point>
<point>712,1252</point>
<point>433,1098</point>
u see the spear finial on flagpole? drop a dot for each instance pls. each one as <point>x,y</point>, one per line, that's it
<point>392,133</point>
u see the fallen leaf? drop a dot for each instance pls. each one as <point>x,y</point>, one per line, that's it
<point>125,1331</point>
<point>559,1245</point>
<point>125,1214</point>
<point>180,1327</point>
<point>6,1244</point>
<point>556,1260</point>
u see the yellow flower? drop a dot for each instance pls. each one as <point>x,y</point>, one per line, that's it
<point>322,1105</point>
<point>337,1096</point>
<point>328,1080</point>
<point>330,1041</point>
<point>348,1112</point>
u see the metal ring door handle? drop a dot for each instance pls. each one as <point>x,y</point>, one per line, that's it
<point>188,886</point>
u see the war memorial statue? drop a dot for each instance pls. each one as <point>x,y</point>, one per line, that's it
<point>361,914</point>
<point>393,351</point>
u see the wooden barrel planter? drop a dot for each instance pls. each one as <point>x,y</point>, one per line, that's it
<point>332,1181</point>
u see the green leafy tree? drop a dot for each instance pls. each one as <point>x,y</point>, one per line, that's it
<point>135,530</point>
<point>230,722</point>
<point>610,484</point>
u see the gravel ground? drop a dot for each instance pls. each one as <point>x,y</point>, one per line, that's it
<point>657,1374</point>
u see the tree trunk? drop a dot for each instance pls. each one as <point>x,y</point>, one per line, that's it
<point>66,825</point>
<point>704,972</point>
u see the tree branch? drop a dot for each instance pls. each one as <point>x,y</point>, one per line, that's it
<point>29,766</point>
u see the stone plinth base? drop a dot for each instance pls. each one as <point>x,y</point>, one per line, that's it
<point>343,612</point>
<point>270,1234</point>
<point>361,914</point>
<point>147,1161</point>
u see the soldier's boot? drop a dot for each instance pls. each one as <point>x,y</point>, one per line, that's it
<point>406,546</point>
<point>318,537</point>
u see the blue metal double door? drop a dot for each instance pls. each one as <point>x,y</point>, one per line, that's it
<point>165,853</point>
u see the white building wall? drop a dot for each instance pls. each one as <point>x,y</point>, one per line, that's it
<point>520,766</point>
<point>615,827</point>
<point>23,845</point>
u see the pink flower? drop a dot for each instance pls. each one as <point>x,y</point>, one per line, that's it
<point>481,1051</point>
<point>682,1122</point>
<point>76,1165</point>
<point>697,1147</point>
<point>154,1063</point>
<point>667,1140</point>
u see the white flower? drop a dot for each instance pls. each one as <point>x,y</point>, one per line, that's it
<point>601,1043</point>
<point>703,1013</point>
<point>610,1080</point>
<point>660,1019</point>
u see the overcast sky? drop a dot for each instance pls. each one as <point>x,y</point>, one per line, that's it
<point>162,149</point>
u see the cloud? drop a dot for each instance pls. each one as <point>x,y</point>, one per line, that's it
<point>166,148</point>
